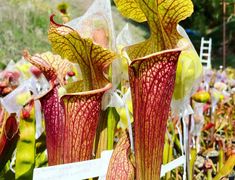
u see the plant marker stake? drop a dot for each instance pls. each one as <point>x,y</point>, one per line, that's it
<point>180,136</point>
<point>171,165</point>
<point>187,112</point>
<point>185,146</point>
<point>184,137</point>
<point>76,170</point>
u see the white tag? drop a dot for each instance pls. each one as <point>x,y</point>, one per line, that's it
<point>75,171</point>
<point>172,165</point>
<point>89,169</point>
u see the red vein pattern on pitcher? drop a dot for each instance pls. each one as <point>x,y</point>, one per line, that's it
<point>152,83</point>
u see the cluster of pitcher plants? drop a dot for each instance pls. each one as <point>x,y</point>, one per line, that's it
<point>95,92</point>
<point>213,143</point>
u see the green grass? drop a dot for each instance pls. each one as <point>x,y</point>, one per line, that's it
<point>22,27</point>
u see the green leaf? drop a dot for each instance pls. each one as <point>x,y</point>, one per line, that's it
<point>113,118</point>
<point>92,58</point>
<point>41,160</point>
<point>6,172</point>
<point>41,152</point>
<point>26,147</point>
<point>101,137</point>
<point>193,155</point>
<point>162,17</point>
<point>227,168</point>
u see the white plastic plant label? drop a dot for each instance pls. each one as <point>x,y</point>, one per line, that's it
<point>75,171</point>
<point>172,165</point>
<point>89,169</point>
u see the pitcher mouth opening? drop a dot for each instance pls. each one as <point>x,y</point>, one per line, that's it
<point>178,48</point>
<point>91,92</point>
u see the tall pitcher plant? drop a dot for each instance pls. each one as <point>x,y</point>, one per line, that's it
<point>152,73</point>
<point>72,109</point>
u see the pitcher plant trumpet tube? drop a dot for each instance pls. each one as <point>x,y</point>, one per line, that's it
<point>72,109</point>
<point>152,73</point>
